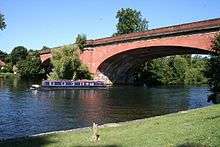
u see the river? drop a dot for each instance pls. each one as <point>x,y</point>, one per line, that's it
<point>27,112</point>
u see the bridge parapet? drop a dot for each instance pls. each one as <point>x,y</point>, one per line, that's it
<point>113,58</point>
<point>207,25</point>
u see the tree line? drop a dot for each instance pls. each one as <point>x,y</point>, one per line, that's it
<point>65,62</point>
<point>173,70</point>
<point>23,62</point>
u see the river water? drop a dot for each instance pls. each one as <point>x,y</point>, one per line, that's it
<point>27,112</point>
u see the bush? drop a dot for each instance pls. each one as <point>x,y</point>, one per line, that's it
<point>67,64</point>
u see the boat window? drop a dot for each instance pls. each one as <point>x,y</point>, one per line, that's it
<point>57,83</point>
<point>68,83</point>
<point>46,83</point>
<point>77,83</point>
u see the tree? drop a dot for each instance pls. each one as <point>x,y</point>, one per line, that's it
<point>81,41</point>
<point>213,67</point>
<point>7,68</point>
<point>67,64</point>
<point>45,48</point>
<point>2,22</point>
<point>129,21</point>
<point>18,53</point>
<point>173,70</point>
<point>3,55</point>
<point>30,67</point>
<point>179,69</point>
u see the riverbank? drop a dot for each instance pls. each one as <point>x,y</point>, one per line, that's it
<point>6,75</point>
<point>199,127</point>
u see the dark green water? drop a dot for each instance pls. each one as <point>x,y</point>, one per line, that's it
<point>25,112</point>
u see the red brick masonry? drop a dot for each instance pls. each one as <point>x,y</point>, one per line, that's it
<point>195,37</point>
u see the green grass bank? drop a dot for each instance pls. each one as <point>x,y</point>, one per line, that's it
<point>6,75</point>
<point>193,128</point>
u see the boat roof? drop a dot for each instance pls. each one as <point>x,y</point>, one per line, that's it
<point>83,80</point>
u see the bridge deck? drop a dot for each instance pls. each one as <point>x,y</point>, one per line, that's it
<point>206,25</point>
<point>187,27</point>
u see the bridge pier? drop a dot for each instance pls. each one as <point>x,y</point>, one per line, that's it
<point>101,76</point>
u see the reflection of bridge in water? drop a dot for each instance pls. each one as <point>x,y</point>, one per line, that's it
<point>115,58</point>
<point>83,107</point>
<point>25,113</point>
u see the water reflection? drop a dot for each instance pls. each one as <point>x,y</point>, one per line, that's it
<point>24,112</point>
<point>214,98</point>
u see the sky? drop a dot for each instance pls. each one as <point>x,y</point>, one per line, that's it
<point>51,23</point>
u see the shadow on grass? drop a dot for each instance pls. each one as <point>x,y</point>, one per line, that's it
<point>213,117</point>
<point>192,145</point>
<point>31,142</point>
<point>112,145</point>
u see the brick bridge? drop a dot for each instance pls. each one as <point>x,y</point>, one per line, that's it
<point>115,58</point>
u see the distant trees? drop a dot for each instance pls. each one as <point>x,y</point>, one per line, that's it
<point>81,41</point>
<point>67,64</point>
<point>3,55</point>
<point>26,64</point>
<point>30,67</point>
<point>129,21</point>
<point>18,53</point>
<point>213,67</point>
<point>174,70</point>
<point>2,22</point>
<point>45,48</point>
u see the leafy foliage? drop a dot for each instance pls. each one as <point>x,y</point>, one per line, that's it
<point>3,55</point>
<point>45,48</point>
<point>174,70</point>
<point>30,67</point>
<point>129,21</point>
<point>2,22</point>
<point>67,64</point>
<point>7,68</point>
<point>213,67</point>
<point>18,53</point>
<point>216,45</point>
<point>81,41</point>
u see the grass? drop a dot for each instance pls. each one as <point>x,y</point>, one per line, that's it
<point>6,75</point>
<point>194,128</point>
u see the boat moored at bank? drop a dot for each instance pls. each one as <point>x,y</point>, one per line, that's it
<point>73,84</point>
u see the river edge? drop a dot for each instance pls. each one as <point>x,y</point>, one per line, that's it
<point>107,125</point>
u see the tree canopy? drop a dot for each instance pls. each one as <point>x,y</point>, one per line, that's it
<point>30,67</point>
<point>3,55</point>
<point>45,48</point>
<point>67,65</point>
<point>81,41</point>
<point>129,21</point>
<point>213,67</point>
<point>2,22</point>
<point>173,70</point>
<point>18,53</point>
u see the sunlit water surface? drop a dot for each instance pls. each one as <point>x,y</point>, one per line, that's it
<point>26,112</point>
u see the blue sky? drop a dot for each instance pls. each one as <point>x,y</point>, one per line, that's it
<point>34,23</point>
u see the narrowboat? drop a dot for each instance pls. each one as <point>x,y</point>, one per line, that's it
<point>72,84</point>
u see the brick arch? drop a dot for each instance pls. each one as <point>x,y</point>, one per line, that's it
<point>195,37</point>
<point>94,57</point>
<point>120,67</point>
<point>45,57</point>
